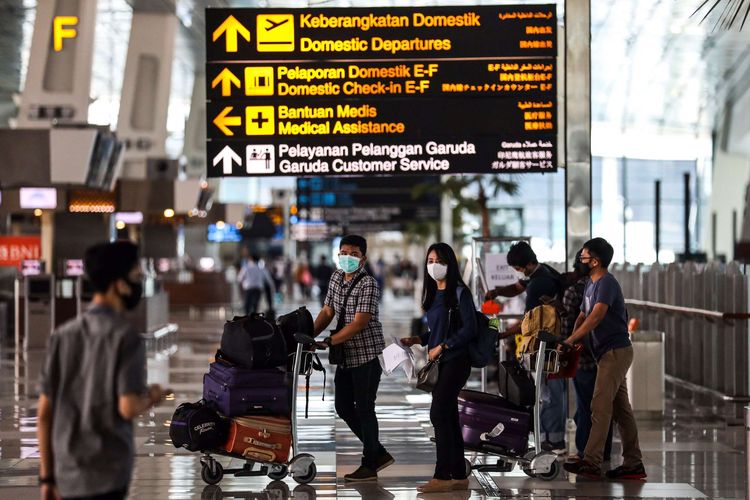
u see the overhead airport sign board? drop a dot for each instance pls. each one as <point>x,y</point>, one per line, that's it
<point>381,91</point>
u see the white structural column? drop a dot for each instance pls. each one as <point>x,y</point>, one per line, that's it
<point>58,80</point>
<point>577,125</point>
<point>195,130</point>
<point>142,121</point>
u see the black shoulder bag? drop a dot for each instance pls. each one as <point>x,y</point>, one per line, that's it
<point>336,352</point>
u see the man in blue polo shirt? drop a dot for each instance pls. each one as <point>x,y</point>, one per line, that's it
<point>604,316</point>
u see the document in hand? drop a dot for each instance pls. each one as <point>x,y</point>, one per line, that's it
<point>396,355</point>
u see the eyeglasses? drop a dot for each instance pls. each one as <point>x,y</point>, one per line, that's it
<point>585,259</point>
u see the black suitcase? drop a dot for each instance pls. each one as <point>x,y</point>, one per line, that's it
<point>516,384</point>
<point>491,423</point>
<point>253,342</point>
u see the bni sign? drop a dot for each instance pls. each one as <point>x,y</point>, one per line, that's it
<point>16,249</point>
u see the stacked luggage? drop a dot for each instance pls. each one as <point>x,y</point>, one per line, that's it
<point>248,392</point>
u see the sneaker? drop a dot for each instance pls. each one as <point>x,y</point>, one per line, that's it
<point>384,461</point>
<point>622,472</point>
<point>584,469</point>
<point>557,447</point>
<point>362,474</point>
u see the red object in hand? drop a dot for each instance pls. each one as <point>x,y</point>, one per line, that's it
<point>490,307</point>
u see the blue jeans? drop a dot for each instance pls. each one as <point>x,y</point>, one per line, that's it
<point>554,411</point>
<point>356,389</point>
<point>584,384</point>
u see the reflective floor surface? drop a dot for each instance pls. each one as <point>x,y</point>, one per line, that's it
<point>696,451</point>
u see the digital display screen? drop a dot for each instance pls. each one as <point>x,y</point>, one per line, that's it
<point>225,233</point>
<point>31,267</point>
<point>74,267</point>
<point>33,198</point>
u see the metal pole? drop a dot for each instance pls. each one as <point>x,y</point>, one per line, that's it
<point>657,217</point>
<point>686,178</point>
<point>713,235</point>
<point>747,451</point>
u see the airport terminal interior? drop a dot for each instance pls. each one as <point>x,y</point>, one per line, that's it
<point>239,144</point>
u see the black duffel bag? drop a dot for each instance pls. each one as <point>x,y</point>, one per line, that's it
<point>197,427</point>
<point>253,342</point>
<point>516,384</point>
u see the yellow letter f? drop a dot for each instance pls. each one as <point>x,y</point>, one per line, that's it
<point>59,32</point>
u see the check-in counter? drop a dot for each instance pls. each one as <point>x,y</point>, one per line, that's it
<point>198,289</point>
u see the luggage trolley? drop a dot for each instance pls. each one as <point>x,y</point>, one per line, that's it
<point>534,462</point>
<point>301,466</point>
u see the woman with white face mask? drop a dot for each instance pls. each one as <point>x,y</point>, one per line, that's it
<point>448,337</point>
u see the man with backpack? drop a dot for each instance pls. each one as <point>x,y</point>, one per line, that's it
<point>541,281</point>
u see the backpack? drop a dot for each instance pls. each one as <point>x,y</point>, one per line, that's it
<point>482,346</point>
<point>197,427</point>
<point>558,278</point>
<point>541,318</point>
<point>253,342</point>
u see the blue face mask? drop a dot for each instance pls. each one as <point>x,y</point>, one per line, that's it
<point>348,263</point>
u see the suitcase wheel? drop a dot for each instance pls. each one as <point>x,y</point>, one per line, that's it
<point>212,472</point>
<point>308,475</point>
<point>278,472</point>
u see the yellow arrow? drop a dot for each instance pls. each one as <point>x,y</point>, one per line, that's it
<point>224,122</point>
<point>226,78</point>
<point>231,27</point>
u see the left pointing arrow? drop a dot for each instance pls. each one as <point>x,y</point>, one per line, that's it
<point>226,78</point>
<point>224,122</point>
<point>230,28</point>
<point>227,157</point>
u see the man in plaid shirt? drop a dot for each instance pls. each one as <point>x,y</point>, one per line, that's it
<point>586,374</point>
<point>358,377</point>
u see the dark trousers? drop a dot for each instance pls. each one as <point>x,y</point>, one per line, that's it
<point>584,384</point>
<point>356,390</point>
<point>112,495</point>
<point>449,442</point>
<point>252,298</point>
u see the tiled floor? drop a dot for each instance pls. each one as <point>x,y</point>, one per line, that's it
<point>697,451</point>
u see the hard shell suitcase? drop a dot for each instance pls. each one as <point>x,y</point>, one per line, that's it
<point>233,391</point>
<point>253,342</point>
<point>265,439</point>
<point>492,423</point>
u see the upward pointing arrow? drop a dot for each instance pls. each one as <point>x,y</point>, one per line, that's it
<point>227,157</point>
<point>226,78</point>
<point>231,27</point>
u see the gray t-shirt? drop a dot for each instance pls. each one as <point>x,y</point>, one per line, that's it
<point>92,360</point>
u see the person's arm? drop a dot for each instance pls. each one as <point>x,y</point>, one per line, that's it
<point>587,325</point>
<point>131,405</point>
<point>44,437</point>
<point>468,328</point>
<point>360,323</point>
<point>511,332</point>
<point>512,290</point>
<point>133,397</point>
<point>324,318</point>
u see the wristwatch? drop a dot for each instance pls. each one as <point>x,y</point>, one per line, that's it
<point>327,341</point>
<point>46,480</point>
<point>444,346</point>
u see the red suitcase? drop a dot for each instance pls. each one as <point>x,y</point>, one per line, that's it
<point>492,423</point>
<point>265,439</point>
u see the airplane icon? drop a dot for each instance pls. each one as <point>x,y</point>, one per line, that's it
<point>273,25</point>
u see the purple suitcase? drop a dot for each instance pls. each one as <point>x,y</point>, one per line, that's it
<point>492,423</point>
<point>235,391</point>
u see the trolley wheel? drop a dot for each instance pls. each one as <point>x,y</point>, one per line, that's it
<point>278,490</point>
<point>467,467</point>
<point>212,472</point>
<point>308,476</point>
<point>278,472</point>
<point>554,471</point>
<point>529,472</point>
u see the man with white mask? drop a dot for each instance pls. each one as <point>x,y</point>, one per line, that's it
<point>353,295</point>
